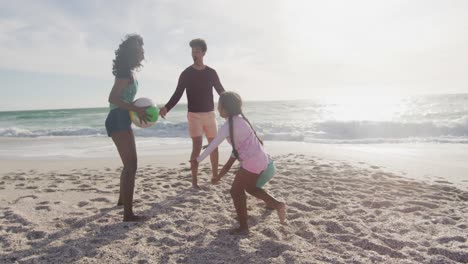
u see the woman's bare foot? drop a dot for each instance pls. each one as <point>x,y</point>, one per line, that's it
<point>282,213</point>
<point>134,218</point>
<point>239,231</point>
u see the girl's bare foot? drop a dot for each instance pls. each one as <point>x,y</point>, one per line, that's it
<point>282,213</point>
<point>134,218</point>
<point>239,231</point>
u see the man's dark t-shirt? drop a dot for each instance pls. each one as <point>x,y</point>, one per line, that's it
<point>199,85</point>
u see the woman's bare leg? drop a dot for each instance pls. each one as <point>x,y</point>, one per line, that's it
<point>125,143</point>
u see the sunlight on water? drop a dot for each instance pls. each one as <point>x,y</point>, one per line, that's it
<point>369,108</point>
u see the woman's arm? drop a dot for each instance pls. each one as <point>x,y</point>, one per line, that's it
<point>115,97</point>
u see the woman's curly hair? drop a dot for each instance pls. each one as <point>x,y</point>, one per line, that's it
<point>128,56</point>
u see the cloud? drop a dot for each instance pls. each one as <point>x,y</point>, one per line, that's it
<point>295,48</point>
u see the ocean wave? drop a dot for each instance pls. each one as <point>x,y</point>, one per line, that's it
<point>372,129</point>
<point>59,132</point>
<point>338,132</point>
<point>160,130</point>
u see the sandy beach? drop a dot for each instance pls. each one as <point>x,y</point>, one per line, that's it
<point>338,212</point>
<point>362,105</point>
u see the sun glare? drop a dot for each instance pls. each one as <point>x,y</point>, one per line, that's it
<point>369,108</point>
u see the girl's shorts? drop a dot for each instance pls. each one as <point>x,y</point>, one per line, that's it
<point>118,119</point>
<point>267,174</point>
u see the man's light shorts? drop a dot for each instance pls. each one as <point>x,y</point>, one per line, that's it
<point>202,123</point>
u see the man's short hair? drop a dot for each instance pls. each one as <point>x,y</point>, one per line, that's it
<point>198,43</point>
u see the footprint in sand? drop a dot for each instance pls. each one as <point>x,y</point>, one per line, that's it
<point>145,196</point>
<point>43,207</point>
<point>20,178</point>
<point>457,256</point>
<point>35,235</point>
<point>424,204</point>
<point>23,197</point>
<point>307,235</point>
<point>82,203</point>
<point>334,228</point>
<point>346,238</point>
<point>411,209</point>
<point>101,199</point>
<point>381,250</point>
<point>445,240</point>
<point>16,229</point>
<point>377,204</point>
<point>159,225</point>
<point>301,206</point>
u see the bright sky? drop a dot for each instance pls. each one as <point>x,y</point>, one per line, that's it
<point>58,54</point>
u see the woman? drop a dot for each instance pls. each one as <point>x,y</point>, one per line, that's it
<point>128,58</point>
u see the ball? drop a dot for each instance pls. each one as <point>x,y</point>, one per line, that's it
<point>152,113</point>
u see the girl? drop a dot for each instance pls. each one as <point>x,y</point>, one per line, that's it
<point>128,58</point>
<point>255,167</point>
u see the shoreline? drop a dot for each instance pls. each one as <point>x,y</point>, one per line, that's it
<point>428,162</point>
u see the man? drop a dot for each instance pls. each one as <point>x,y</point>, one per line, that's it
<point>198,79</point>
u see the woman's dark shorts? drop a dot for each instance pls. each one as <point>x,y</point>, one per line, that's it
<point>118,119</point>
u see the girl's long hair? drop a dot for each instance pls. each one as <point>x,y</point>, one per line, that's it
<point>231,102</point>
<point>128,56</point>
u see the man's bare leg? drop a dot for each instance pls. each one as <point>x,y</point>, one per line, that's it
<point>196,149</point>
<point>214,158</point>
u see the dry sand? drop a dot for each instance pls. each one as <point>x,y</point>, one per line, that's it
<point>337,213</point>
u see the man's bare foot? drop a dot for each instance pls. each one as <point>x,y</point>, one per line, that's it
<point>134,218</point>
<point>282,213</point>
<point>239,231</point>
<point>195,186</point>
<point>215,180</point>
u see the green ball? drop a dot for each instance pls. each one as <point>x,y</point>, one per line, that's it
<point>153,113</point>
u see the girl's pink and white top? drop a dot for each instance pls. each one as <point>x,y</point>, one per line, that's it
<point>251,153</point>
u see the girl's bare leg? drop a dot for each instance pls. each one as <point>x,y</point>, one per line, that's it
<point>261,194</point>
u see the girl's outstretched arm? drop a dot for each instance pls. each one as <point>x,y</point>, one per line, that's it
<point>222,134</point>
<point>226,168</point>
